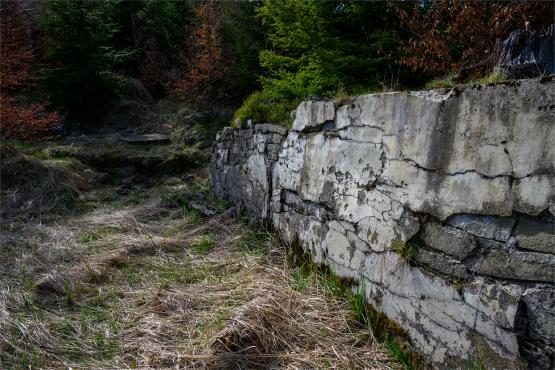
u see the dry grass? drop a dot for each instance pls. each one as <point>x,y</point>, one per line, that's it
<point>283,328</point>
<point>31,188</point>
<point>123,286</point>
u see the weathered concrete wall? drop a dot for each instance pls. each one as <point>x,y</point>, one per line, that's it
<point>467,177</point>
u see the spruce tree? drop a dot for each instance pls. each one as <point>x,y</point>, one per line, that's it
<point>80,71</point>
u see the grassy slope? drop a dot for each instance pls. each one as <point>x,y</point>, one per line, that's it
<point>137,278</point>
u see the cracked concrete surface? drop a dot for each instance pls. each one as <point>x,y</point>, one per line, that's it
<point>468,178</point>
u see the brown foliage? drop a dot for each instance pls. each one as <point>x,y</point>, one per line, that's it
<point>17,117</point>
<point>205,63</point>
<point>447,35</point>
<point>16,49</point>
<point>29,120</point>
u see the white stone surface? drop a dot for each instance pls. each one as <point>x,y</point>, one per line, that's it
<point>467,177</point>
<point>311,114</point>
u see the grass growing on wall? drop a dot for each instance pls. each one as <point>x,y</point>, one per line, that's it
<point>407,251</point>
<point>493,77</point>
<point>438,83</point>
<point>261,108</point>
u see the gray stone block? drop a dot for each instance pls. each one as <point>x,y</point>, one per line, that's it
<point>449,240</point>
<point>516,265</point>
<point>489,227</point>
<point>535,235</point>
<point>442,264</point>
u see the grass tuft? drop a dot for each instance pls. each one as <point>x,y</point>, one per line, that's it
<point>341,95</point>
<point>407,251</point>
<point>206,243</point>
<point>439,83</point>
<point>256,241</point>
<point>477,364</point>
<point>100,233</point>
<point>459,286</point>
<point>493,77</point>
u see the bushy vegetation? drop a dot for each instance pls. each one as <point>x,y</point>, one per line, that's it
<point>318,45</point>
<point>73,56</point>
<point>443,36</point>
<point>19,116</point>
<point>79,74</point>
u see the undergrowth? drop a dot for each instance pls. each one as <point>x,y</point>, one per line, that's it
<point>438,83</point>
<point>264,109</point>
<point>493,77</point>
<point>143,279</point>
<point>450,80</point>
<point>256,240</point>
<point>364,314</point>
<point>205,244</point>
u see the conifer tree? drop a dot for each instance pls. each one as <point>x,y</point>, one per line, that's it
<point>81,60</point>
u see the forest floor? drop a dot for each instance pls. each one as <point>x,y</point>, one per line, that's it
<point>114,255</point>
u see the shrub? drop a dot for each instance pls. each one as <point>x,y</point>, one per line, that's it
<point>218,60</point>
<point>318,45</point>
<point>26,120</point>
<point>207,66</point>
<point>156,29</point>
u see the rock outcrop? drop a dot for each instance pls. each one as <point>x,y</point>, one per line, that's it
<point>526,53</point>
<point>465,177</point>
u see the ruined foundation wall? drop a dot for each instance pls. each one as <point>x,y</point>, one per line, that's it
<point>465,177</point>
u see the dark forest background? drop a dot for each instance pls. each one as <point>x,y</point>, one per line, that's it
<point>64,60</point>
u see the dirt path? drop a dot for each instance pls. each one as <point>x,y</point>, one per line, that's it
<point>139,278</point>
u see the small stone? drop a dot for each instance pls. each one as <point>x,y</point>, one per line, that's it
<point>267,127</point>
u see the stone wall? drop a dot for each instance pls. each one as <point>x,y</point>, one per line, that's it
<point>463,177</point>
